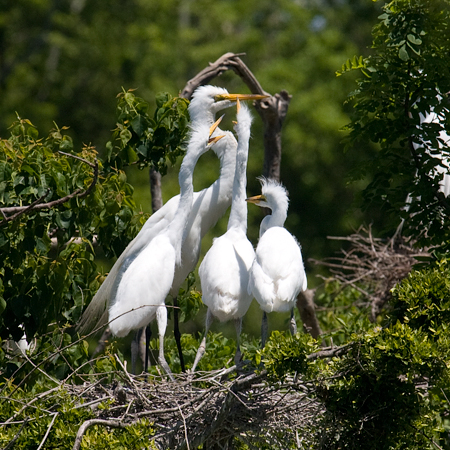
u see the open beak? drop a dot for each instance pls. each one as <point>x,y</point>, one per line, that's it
<point>213,127</point>
<point>256,199</point>
<point>241,97</point>
<point>214,139</point>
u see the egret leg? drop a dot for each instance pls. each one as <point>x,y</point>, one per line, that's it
<point>148,336</point>
<point>135,349</point>
<point>238,355</point>
<point>176,332</point>
<point>202,348</point>
<point>293,323</point>
<point>264,329</point>
<point>161,319</point>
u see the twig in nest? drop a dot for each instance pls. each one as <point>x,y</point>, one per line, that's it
<point>372,266</point>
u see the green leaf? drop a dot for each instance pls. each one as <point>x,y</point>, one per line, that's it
<point>403,53</point>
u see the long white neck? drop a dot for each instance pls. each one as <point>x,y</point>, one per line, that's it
<point>276,219</point>
<point>218,195</point>
<point>238,214</point>
<point>185,177</point>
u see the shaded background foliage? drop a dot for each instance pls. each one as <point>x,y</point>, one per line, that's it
<point>65,61</point>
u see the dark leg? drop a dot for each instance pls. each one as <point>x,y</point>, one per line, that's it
<point>264,330</point>
<point>238,355</point>
<point>148,336</point>
<point>135,349</point>
<point>176,332</point>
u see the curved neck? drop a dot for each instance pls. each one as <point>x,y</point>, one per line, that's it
<point>276,219</point>
<point>238,214</point>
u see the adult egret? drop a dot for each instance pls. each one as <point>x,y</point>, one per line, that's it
<point>145,284</point>
<point>224,270</point>
<point>277,274</point>
<point>207,207</point>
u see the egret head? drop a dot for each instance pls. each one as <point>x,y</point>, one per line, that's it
<point>208,100</point>
<point>274,195</point>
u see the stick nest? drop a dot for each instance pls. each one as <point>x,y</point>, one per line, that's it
<point>210,408</point>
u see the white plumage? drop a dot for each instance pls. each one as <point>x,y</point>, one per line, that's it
<point>207,207</point>
<point>145,284</point>
<point>277,274</point>
<point>224,270</point>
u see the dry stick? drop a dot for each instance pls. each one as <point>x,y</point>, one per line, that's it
<point>92,422</point>
<point>36,366</point>
<point>184,425</point>
<point>142,399</point>
<point>48,431</point>
<point>14,439</point>
<point>27,405</point>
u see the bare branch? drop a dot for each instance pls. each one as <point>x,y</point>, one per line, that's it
<point>38,205</point>
<point>89,423</point>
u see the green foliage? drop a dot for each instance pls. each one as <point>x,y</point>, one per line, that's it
<point>48,272</point>
<point>393,382</point>
<point>423,300</point>
<point>46,276</point>
<point>142,139</point>
<point>406,77</point>
<point>39,410</point>
<point>285,354</point>
<point>380,389</point>
<point>342,312</point>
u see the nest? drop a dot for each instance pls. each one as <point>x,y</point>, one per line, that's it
<point>209,408</point>
<point>373,266</point>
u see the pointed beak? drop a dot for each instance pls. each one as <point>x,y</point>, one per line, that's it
<point>214,139</point>
<point>256,199</point>
<point>215,125</point>
<point>241,97</point>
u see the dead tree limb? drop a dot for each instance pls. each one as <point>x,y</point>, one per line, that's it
<point>273,111</point>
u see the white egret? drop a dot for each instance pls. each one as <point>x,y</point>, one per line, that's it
<point>144,286</point>
<point>208,206</point>
<point>277,274</point>
<point>224,270</point>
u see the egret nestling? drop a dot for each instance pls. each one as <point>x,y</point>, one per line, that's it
<point>224,270</point>
<point>277,274</point>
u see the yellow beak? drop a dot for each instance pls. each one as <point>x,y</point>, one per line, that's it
<point>235,97</point>
<point>213,127</point>
<point>256,199</point>
<point>213,140</point>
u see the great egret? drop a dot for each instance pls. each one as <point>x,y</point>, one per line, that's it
<point>144,286</point>
<point>277,274</point>
<point>224,269</point>
<point>207,207</point>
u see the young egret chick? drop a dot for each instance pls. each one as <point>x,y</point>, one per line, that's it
<point>224,270</point>
<point>145,284</point>
<point>277,274</point>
